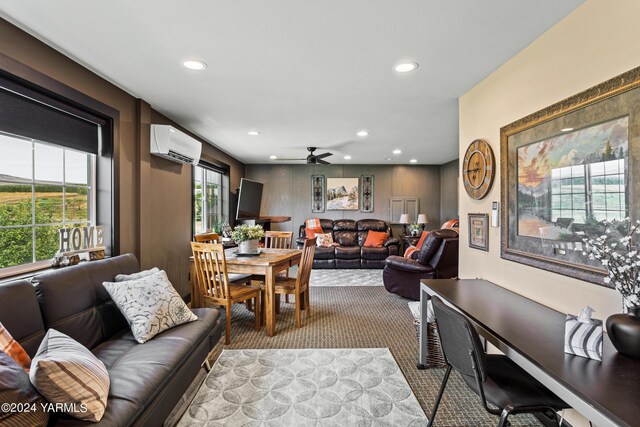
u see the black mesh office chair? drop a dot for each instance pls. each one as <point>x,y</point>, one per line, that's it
<point>495,378</point>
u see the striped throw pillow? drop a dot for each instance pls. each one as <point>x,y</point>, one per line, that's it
<point>14,349</point>
<point>65,372</point>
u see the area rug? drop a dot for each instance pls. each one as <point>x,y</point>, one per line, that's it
<point>343,277</point>
<point>305,387</point>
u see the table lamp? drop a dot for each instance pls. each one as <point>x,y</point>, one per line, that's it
<point>404,220</point>
<point>422,220</point>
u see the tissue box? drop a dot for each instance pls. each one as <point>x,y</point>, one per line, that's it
<point>583,339</point>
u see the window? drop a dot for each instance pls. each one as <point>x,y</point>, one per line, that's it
<point>211,205</point>
<point>608,190</point>
<point>594,189</point>
<point>43,187</point>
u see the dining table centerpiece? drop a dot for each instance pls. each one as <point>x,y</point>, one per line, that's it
<point>247,237</point>
<point>616,252</point>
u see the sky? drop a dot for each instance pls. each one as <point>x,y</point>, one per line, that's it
<point>17,157</point>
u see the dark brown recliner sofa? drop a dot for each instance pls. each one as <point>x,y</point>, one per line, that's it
<point>351,235</point>
<point>147,380</point>
<point>437,259</point>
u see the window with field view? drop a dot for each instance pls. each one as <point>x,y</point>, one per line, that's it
<point>43,187</point>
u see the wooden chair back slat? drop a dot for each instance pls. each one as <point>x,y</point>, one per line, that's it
<point>306,263</point>
<point>211,270</point>
<point>278,239</point>
<point>207,238</point>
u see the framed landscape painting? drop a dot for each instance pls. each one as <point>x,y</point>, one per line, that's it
<point>566,170</point>
<point>342,194</point>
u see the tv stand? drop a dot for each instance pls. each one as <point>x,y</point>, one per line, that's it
<point>265,221</point>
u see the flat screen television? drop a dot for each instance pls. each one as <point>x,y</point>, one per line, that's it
<point>249,199</point>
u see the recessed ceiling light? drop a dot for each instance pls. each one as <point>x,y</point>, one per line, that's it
<point>396,152</point>
<point>566,129</point>
<point>388,158</point>
<point>253,133</point>
<point>347,157</point>
<point>273,157</point>
<point>413,161</point>
<point>362,133</point>
<point>406,67</point>
<point>193,64</point>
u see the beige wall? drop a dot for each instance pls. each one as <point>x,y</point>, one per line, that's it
<point>596,42</point>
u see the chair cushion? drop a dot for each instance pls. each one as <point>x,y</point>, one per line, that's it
<point>13,348</point>
<point>150,305</point>
<point>15,387</point>
<point>509,384</point>
<point>347,252</point>
<point>65,372</point>
<point>325,253</point>
<point>346,238</point>
<point>139,372</point>
<point>375,239</point>
<point>375,253</point>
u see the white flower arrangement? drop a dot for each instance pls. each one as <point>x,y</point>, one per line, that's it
<point>620,259</point>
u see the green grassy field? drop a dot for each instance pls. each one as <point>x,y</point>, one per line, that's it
<point>16,244</point>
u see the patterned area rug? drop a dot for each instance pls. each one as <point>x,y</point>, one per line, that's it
<point>337,387</point>
<point>340,277</point>
<point>354,316</point>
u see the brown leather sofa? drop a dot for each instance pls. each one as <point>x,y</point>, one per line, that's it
<point>147,380</point>
<point>351,235</point>
<point>437,259</point>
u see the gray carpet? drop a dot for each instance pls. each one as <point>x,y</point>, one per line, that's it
<point>305,387</point>
<point>366,317</point>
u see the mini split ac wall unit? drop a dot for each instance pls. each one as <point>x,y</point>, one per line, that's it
<point>170,143</point>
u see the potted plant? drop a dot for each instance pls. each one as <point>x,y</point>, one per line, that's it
<point>614,250</point>
<point>414,228</point>
<point>247,237</point>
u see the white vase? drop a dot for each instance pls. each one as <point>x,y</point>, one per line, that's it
<point>249,247</point>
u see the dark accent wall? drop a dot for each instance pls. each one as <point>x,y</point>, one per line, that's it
<point>153,194</point>
<point>287,190</point>
<point>449,173</point>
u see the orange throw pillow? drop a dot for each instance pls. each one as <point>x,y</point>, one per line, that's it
<point>312,227</point>
<point>375,239</point>
<point>424,235</point>
<point>14,349</point>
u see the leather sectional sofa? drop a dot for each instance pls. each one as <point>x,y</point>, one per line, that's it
<point>350,235</point>
<point>147,380</point>
<point>436,259</point>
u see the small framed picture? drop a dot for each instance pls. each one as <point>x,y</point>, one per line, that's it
<point>479,231</point>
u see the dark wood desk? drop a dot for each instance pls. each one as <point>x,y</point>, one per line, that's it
<point>532,335</point>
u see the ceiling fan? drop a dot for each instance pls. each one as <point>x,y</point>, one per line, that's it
<point>313,159</point>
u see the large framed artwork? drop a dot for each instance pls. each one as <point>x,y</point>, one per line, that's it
<point>567,169</point>
<point>366,193</point>
<point>479,231</point>
<point>342,194</point>
<point>317,193</point>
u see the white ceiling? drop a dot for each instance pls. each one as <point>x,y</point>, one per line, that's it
<point>302,72</point>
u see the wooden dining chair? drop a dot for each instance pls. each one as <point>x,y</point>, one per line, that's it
<point>299,286</point>
<point>279,240</point>
<point>207,238</point>
<point>213,282</point>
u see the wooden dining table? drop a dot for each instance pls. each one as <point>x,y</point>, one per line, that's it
<point>268,264</point>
